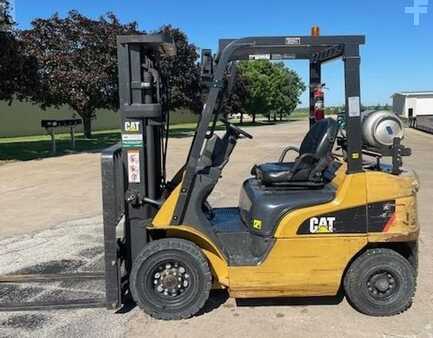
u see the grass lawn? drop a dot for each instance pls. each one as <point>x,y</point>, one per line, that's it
<point>38,147</point>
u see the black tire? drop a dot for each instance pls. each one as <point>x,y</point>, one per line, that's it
<point>380,282</point>
<point>156,273</point>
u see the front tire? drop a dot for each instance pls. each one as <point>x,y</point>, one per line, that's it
<point>170,279</point>
<point>380,282</point>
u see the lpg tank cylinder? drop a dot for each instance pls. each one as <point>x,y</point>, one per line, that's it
<point>379,128</point>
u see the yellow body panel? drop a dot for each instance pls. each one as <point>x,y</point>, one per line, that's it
<point>165,213</point>
<point>297,267</point>
<point>350,193</point>
<point>310,265</point>
<point>404,227</point>
<point>402,189</point>
<point>305,265</point>
<point>382,186</point>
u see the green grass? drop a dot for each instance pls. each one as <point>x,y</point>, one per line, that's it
<point>39,147</point>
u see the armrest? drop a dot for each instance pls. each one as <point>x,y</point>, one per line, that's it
<point>286,150</point>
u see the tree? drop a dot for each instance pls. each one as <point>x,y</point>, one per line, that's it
<point>77,62</point>
<point>235,101</point>
<point>17,72</point>
<point>182,72</point>
<point>272,89</point>
<point>6,21</point>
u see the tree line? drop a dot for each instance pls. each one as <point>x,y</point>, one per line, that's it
<point>264,88</point>
<point>72,61</point>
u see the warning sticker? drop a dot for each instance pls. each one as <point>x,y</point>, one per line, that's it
<point>133,166</point>
<point>132,140</point>
<point>354,106</point>
<point>257,224</point>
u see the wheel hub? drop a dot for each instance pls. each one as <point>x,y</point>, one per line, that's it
<point>381,285</point>
<point>171,279</point>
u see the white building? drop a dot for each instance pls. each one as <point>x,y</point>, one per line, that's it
<point>410,104</point>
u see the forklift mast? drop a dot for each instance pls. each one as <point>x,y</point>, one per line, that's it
<point>133,172</point>
<point>144,117</point>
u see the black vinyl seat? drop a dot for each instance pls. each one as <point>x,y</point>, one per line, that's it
<point>315,155</point>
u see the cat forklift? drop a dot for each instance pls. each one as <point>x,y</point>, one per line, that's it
<point>336,218</point>
<point>339,217</point>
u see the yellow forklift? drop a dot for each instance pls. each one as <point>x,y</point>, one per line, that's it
<point>307,227</point>
<point>335,218</point>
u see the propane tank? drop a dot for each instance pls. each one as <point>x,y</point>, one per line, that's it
<point>379,128</point>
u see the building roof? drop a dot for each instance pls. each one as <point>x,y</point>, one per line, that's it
<point>416,93</point>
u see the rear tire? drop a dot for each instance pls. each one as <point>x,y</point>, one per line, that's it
<point>380,282</point>
<point>170,279</point>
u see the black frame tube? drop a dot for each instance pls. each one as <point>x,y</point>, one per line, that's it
<point>315,80</point>
<point>352,63</point>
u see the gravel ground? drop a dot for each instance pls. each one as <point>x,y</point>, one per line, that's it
<point>69,247</point>
<point>77,246</point>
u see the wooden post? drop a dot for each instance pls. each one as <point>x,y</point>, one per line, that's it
<point>53,140</point>
<point>73,137</point>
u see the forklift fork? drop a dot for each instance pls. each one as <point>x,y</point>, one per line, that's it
<point>114,208</point>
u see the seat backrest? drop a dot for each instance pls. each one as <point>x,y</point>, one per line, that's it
<point>320,139</point>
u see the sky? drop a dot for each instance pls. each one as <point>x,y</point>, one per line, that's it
<point>398,55</point>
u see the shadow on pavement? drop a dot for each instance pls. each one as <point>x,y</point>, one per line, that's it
<point>216,299</point>
<point>292,301</point>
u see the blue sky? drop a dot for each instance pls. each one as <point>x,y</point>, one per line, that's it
<point>398,55</point>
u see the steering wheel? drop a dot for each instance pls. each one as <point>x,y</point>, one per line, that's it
<point>236,130</point>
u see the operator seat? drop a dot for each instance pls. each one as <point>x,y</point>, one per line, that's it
<point>315,155</point>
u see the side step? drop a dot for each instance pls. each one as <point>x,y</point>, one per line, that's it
<point>54,305</point>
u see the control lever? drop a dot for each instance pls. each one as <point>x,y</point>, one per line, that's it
<point>134,199</point>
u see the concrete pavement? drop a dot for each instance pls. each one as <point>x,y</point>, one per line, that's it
<point>51,219</point>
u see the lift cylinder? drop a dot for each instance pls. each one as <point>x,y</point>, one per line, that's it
<point>379,128</point>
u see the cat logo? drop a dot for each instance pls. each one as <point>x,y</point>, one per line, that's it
<point>133,126</point>
<point>322,224</point>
